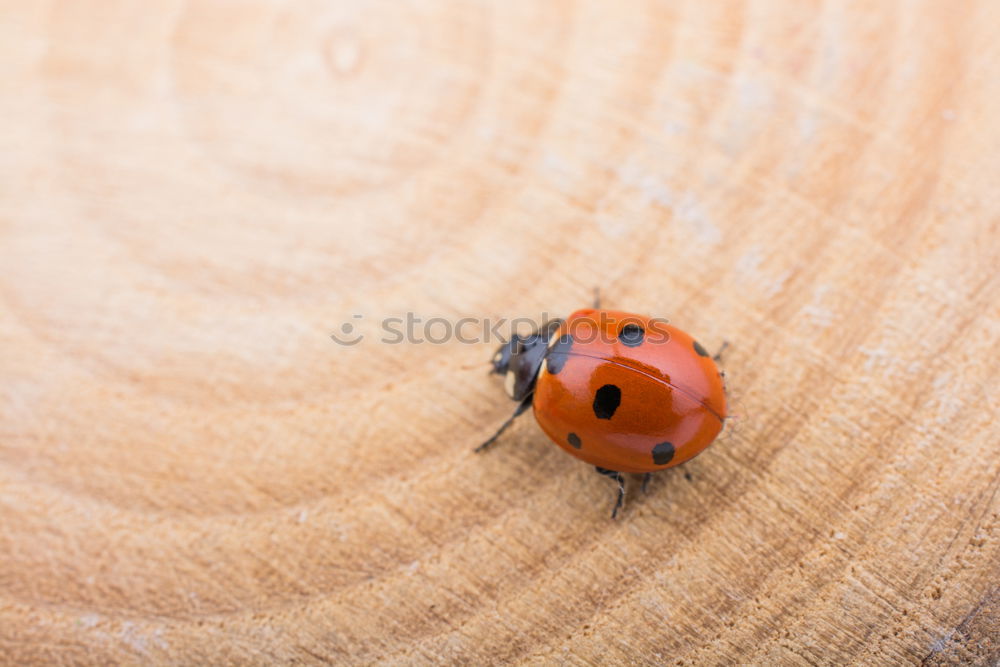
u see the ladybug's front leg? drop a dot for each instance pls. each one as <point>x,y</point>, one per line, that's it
<point>522,406</point>
<point>618,477</point>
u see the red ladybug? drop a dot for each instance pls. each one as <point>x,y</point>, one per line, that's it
<point>623,392</point>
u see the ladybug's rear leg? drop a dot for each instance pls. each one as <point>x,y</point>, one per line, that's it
<point>645,481</point>
<point>522,406</point>
<point>618,477</point>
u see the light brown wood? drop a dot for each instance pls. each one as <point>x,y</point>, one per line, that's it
<point>194,196</point>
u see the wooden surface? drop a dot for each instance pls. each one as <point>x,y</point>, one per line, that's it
<point>193,196</point>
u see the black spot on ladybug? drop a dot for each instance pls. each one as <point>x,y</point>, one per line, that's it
<point>631,335</point>
<point>662,453</point>
<point>574,440</point>
<point>606,401</point>
<point>700,350</point>
<point>558,353</point>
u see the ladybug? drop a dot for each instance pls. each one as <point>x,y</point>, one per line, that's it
<point>622,392</point>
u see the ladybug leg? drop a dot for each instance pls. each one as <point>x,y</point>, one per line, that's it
<point>645,481</point>
<point>717,357</point>
<point>597,298</point>
<point>522,406</point>
<point>617,476</point>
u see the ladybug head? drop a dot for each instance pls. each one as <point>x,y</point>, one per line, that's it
<point>519,359</point>
<point>504,353</point>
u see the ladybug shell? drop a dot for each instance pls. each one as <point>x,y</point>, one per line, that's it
<point>628,393</point>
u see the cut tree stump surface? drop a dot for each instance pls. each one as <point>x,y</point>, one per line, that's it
<point>195,196</point>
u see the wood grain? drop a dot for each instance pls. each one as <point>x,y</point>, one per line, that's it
<point>194,196</point>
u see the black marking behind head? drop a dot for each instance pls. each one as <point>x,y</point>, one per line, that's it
<point>700,350</point>
<point>558,354</point>
<point>574,440</point>
<point>662,453</point>
<point>606,401</point>
<point>631,335</point>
